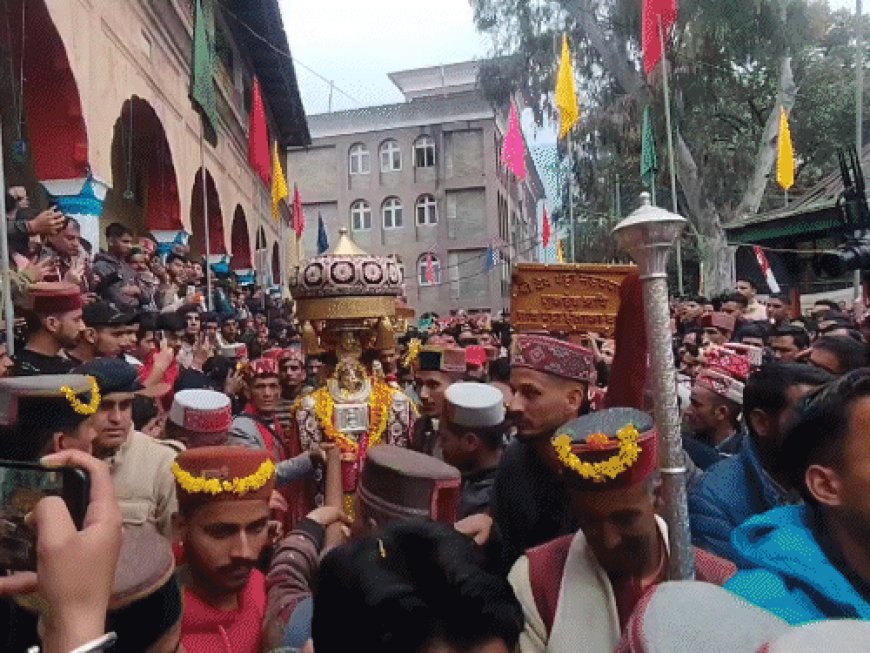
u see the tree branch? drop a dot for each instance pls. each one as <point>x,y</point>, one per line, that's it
<point>767,148</point>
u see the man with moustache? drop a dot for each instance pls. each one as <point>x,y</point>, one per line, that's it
<point>140,465</point>
<point>222,523</point>
<point>54,320</point>
<point>579,590</point>
<point>434,370</point>
<point>550,380</point>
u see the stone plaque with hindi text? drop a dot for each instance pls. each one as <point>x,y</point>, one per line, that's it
<point>578,298</point>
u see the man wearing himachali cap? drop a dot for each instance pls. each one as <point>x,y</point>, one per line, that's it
<point>579,590</point>
<point>550,380</point>
<point>222,524</point>
<point>54,317</point>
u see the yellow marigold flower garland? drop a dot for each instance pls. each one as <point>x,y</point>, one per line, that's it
<point>379,404</point>
<point>214,486</point>
<point>628,453</point>
<point>77,405</point>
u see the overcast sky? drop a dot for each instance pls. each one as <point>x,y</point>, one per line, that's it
<point>356,43</point>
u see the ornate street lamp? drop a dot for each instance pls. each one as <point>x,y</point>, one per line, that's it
<point>648,235</point>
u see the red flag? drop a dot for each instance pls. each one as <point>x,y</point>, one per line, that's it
<point>652,43</point>
<point>430,270</point>
<point>258,136</point>
<point>298,215</point>
<point>763,263</point>
<point>546,228</point>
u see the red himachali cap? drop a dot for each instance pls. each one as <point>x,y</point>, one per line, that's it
<point>201,412</point>
<point>46,298</point>
<point>553,356</point>
<point>209,474</point>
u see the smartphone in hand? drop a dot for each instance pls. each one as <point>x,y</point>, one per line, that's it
<point>22,485</point>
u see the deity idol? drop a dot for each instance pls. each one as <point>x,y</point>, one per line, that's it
<point>345,298</point>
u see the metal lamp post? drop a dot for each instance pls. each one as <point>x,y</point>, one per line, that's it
<point>648,234</point>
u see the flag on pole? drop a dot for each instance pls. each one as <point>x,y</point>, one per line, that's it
<point>298,215</point>
<point>653,48</point>
<point>493,257</point>
<point>560,251</point>
<point>513,152</point>
<point>322,240</point>
<point>202,88</point>
<point>566,92</point>
<point>785,158</point>
<point>279,184</point>
<point>546,229</point>
<point>258,136</point>
<point>763,263</point>
<point>430,269</point>
<point>649,164</point>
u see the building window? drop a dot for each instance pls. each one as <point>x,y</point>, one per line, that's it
<point>359,159</point>
<point>391,156</point>
<point>360,216</point>
<point>424,152</point>
<point>427,211</point>
<point>424,276</point>
<point>392,212</point>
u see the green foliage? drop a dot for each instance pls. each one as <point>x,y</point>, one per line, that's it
<point>726,61</point>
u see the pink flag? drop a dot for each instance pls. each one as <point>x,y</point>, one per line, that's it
<point>430,269</point>
<point>513,152</point>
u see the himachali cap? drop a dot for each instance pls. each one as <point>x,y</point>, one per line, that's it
<point>721,384</point>
<point>607,449</point>
<point>263,367</point>
<point>234,350</point>
<point>667,618</point>
<point>47,298</point>
<point>204,415</point>
<point>61,401</point>
<point>474,405</point>
<point>398,483</point>
<point>552,356</point>
<point>441,359</point>
<point>753,353</point>
<point>475,355</point>
<point>211,474</point>
<point>727,361</point>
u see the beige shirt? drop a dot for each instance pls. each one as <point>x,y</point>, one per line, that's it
<point>144,485</point>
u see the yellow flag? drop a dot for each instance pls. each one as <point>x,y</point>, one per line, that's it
<point>560,251</point>
<point>279,184</point>
<point>566,92</point>
<point>785,159</point>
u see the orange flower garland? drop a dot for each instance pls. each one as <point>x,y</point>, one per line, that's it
<point>379,404</point>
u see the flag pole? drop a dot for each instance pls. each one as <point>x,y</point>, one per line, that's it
<point>571,199</point>
<point>205,221</point>
<point>8,308</point>
<point>667,93</point>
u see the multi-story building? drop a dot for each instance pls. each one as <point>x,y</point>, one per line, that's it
<point>98,117</point>
<point>423,179</point>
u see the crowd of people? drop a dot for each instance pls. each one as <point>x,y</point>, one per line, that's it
<point>521,513</point>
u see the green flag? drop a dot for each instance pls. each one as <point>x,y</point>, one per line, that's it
<point>649,164</point>
<point>202,88</point>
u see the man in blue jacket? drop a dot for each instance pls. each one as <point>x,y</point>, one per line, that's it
<point>805,563</point>
<point>752,481</point>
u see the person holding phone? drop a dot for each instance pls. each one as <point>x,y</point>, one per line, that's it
<point>75,569</point>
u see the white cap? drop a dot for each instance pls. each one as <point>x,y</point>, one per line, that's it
<point>201,411</point>
<point>474,405</point>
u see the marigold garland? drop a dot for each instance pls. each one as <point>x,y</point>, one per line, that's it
<point>238,486</point>
<point>77,405</point>
<point>379,404</point>
<point>628,453</point>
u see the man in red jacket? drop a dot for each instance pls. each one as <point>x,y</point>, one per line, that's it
<point>222,523</point>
